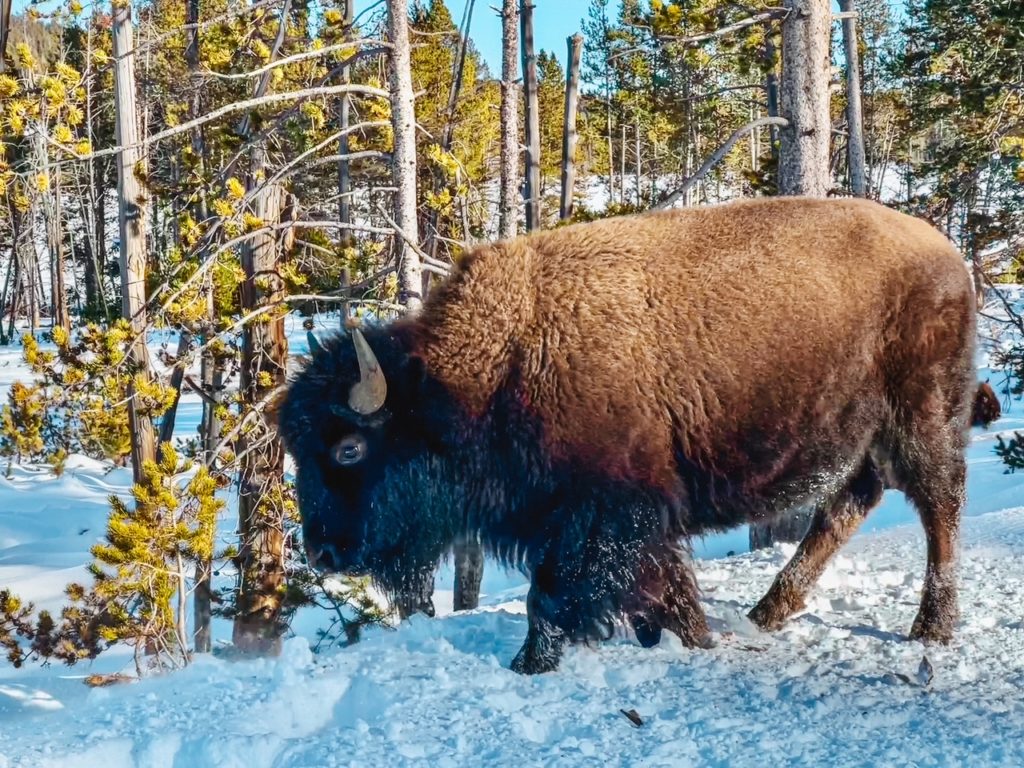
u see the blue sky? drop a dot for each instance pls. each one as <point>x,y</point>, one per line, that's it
<point>553,21</point>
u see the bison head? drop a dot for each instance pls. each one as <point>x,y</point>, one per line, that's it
<point>356,421</point>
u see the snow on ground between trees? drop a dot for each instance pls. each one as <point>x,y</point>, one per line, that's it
<point>839,685</point>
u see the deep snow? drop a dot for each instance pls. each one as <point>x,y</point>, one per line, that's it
<point>838,686</point>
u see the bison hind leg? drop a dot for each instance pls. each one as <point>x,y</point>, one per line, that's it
<point>648,634</point>
<point>935,483</point>
<point>835,520</point>
<point>667,597</point>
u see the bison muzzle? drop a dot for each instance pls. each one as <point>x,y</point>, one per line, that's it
<point>586,399</point>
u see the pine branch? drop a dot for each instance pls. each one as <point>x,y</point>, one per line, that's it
<point>379,47</point>
<point>227,109</point>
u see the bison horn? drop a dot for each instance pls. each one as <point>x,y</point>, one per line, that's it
<point>368,394</point>
<point>315,347</point>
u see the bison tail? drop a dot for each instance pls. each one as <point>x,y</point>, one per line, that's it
<point>986,406</point>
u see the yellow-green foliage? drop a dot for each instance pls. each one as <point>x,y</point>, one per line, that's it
<point>21,422</point>
<point>79,400</point>
<point>140,567</point>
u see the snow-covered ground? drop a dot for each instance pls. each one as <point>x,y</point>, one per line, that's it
<point>839,686</point>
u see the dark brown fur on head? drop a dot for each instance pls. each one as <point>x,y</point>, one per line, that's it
<point>986,407</point>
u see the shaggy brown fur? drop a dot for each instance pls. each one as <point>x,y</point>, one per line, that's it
<point>770,346</point>
<point>986,406</point>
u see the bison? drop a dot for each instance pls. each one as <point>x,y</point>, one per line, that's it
<point>586,399</point>
<point>986,406</point>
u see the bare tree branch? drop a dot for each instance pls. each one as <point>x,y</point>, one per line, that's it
<point>715,158</point>
<point>438,267</point>
<point>770,15</point>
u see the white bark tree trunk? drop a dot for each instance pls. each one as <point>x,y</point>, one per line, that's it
<point>804,157</point>
<point>131,223</point>
<point>532,188</point>
<point>854,116</point>
<point>569,133</point>
<point>403,120</point>
<point>804,98</point>
<point>508,208</point>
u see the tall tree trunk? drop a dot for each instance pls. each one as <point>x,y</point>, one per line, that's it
<point>771,84</point>
<point>638,170</point>
<point>508,208</point>
<point>854,117</point>
<point>622,164</point>
<point>132,226</point>
<point>59,300</point>
<point>52,211</point>
<point>569,134</point>
<point>212,375</point>
<point>257,627</point>
<point>261,514</point>
<point>211,366</point>
<point>344,166</point>
<point>609,139</point>
<point>532,188</point>
<point>92,275</point>
<point>804,161</point>
<point>5,30</point>
<point>403,120</point>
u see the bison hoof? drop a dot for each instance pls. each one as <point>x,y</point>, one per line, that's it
<point>648,634</point>
<point>528,662</point>
<point>768,615</point>
<point>931,631</point>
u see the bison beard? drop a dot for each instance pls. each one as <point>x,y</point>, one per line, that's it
<point>585,399</point>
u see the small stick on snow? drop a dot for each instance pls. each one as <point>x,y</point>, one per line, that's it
<point>633,717</point>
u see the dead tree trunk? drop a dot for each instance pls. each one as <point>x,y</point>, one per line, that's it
<point>569,134</point>
<point>854,116</point>
<point>508,209</point>
<point>403,121</point>
<point>638,171</point>
<point>261,498</point>
<point>804,161</point>
<point>261,502</point>
<point>211,362</point>
<point>532,187</point>
<point>132,226</point>
<point>52,211</point>
<point>804,157</point>
<point>344,166</point>
<point>771,84</point>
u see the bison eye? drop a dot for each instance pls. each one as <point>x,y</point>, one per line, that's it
<point>349,450</point>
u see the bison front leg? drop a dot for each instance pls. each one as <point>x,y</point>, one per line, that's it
<point>585,578</point>
<point>416,595</point>
<point>833,524</point>
<point>544,643</point>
